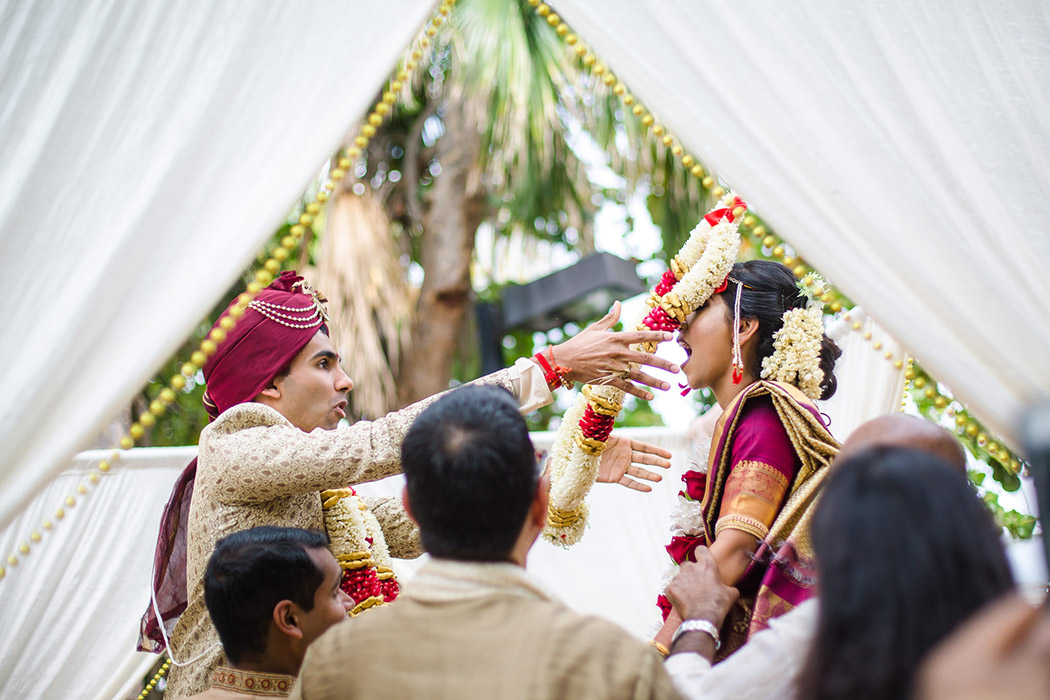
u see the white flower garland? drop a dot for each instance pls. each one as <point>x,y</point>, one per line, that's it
<point>687,518</point>
<point>700,267</point>
<point>350,525</point>
<point>796,350</point>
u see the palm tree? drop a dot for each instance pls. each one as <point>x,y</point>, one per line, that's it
<point>493,112</point>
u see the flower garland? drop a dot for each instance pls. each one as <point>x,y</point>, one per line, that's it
<point>796,346</point>
<point>698,270</point>
<point>360,548</point>
<point>687,521</point>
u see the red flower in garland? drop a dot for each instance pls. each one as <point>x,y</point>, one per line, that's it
<point>682,547</point>
<point>695,484</point>
<point>665,606</point>
<point>391,589</point>
<point>666,283</point>
<point>361,584</point>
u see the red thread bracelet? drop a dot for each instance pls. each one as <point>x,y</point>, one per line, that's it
<point>553,375</point>
<point>562,372</point>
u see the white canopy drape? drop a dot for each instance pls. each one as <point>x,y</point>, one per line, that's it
<point>903,148</point>
<point>906,161</point>
<point>149,150</point>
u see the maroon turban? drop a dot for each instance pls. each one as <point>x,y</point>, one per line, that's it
<point>277,324</point>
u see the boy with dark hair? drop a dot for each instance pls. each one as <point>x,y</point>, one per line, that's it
<point>270,592</point>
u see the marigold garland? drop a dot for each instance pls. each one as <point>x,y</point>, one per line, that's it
<point>700,267</point>
<point>360,548</point>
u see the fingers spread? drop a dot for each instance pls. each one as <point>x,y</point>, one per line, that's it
<point>650,448</point>
<point>639,337</point>
<point>643,378</point>
<point>632,389</point>
<point>635,485</point>
<point>644,358</point>
<point>645,474</point>
<point>608,320</point>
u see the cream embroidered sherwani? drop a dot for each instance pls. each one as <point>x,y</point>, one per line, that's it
<point>468,631</point>
<point>255,468</point>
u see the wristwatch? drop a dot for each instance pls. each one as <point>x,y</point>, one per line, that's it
<point>697,626</point>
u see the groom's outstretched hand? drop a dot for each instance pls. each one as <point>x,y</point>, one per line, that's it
<point>597,355</point>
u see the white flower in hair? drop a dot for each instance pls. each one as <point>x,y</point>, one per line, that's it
<point>796,350</point>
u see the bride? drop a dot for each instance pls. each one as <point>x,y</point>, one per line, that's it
<point>758,344</point>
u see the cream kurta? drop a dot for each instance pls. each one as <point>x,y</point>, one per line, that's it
<point>468,631</point>
<point>255,468</point>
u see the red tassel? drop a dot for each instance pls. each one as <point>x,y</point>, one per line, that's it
<point>685,389</point>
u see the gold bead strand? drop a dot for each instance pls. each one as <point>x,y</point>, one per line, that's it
<point>909,375</point>
<point>163,671</point>
<point>166,397</point>
<point>590,61</point>
<point>384,107</point>
<point>263,277</point>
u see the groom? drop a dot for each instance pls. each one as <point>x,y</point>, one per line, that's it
<point>277,393</point>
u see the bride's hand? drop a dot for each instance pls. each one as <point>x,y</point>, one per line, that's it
<point>624,458</point>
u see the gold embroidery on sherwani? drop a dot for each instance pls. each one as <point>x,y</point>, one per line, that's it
<point>754,492</point>
<point>267,685</point>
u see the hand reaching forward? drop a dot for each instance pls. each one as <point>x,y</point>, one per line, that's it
<point>624,458</point>
<point>595,355</point>
<point>697,592</point>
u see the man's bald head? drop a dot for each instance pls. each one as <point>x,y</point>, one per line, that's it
<point>905,431</point>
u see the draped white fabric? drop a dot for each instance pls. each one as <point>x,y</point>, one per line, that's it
<point>869,384</point>
<point>901,147</point>
<point>150,149</point>
<point>71,608</point>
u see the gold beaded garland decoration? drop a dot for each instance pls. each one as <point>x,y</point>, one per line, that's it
<point>152,684</point>
<point>768,244</point>
<point>262,278</point>
<point>919,383</point>
<point>585,56</point>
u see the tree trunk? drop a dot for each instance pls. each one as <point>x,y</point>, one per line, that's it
<point>447,246</point>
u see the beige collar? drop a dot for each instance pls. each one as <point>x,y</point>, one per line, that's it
<point>445,580</point>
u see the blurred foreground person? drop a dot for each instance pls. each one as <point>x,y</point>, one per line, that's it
<point>905,553</point>
<point>271,591</point>
<point>1003,652</point>
<point>768,666</point>
<point>472,624</point>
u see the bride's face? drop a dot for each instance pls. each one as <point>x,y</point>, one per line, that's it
<point>707,340</point>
